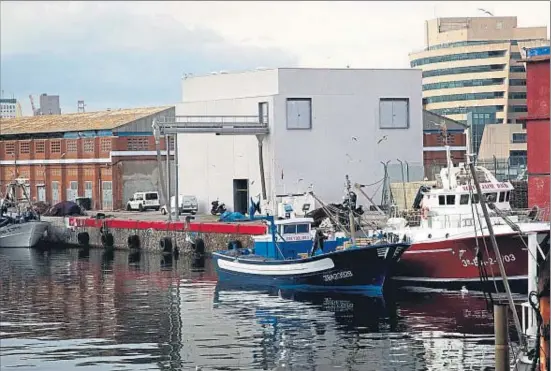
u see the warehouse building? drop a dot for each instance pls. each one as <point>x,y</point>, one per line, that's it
<point>105,156</point>
<point>322,124</point>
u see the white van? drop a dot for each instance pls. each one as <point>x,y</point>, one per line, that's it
<point>144,200</point>
<point>187,204</point>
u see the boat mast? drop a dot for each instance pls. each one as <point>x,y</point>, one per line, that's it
<point>497,254</point>
<point>350,212</point>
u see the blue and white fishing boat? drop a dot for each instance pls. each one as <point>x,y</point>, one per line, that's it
<point>291,255</point>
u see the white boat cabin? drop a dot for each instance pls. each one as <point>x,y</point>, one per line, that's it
<point>294,229</point>
<point>454,199</point>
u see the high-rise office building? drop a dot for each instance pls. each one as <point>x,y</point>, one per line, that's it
<point>471,69</point>
<point>49,105</point>
<point>9,108</point>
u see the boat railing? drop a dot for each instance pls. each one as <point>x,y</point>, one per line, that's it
<point>534,215</point>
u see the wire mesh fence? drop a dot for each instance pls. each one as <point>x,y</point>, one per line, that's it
<point>405,178</point>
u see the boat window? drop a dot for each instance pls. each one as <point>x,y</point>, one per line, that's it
<point>464,200</point>
<point>441,200</point>
<point>290,229</point>
<point>508,196</point>
<point>302,228</point>
<point>502,196</point>
<point>475,198</point>
<point>450,199</point>
<point>491,197</point>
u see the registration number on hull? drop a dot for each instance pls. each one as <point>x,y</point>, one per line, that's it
<point>490,261</point>
<point>337,276</point>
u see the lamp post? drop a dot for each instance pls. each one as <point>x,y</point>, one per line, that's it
<point>403,182</point>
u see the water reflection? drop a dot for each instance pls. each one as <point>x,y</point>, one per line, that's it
<point>130,310</point>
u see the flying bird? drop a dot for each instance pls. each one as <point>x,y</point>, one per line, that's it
<point>380,140</point>
<point>485,11</point>
<point>355,138</point>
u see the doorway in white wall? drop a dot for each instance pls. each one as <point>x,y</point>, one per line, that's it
<point>240,195</point>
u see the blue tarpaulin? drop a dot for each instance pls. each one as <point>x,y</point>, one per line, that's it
<point>232,217</point>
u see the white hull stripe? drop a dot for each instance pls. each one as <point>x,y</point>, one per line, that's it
<point>426,251</point>
<point>426,279</point>
<point>277,269</point>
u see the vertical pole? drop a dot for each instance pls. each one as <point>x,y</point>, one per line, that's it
<point>532,278</point>
<point>260,139</point>
<point>501,336</point>
<point>177,177</point>
<point>499,259</point>
<point>168,203</point>
<point>157,136</point>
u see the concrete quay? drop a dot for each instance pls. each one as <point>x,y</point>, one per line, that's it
<point>64,231</point>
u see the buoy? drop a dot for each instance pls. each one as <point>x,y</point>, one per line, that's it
<point>107,240</point>
<point>134,241</point>
<point>166,244</point>
<point>83,238</point>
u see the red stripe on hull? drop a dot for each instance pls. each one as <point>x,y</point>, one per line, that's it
<point>456,259</point>
<point>216,227</point>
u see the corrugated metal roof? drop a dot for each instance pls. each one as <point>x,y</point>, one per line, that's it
<point>104,120</point>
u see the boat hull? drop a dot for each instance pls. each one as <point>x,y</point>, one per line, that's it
<point>356,269</point>
<point>454,261</point>
<point>22,235</point>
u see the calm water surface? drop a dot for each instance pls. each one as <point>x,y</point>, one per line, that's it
<point>65,310</point>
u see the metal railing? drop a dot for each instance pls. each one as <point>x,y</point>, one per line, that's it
<point>414,218</point>
<point>218,124</point>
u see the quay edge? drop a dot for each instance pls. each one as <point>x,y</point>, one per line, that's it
<point>216,235</point>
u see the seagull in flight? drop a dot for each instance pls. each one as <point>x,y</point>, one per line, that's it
<point>485,11</point>
<point>355,138</point>
<point>380,140</point>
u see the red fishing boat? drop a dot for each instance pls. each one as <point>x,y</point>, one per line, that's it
<point>451,243</point>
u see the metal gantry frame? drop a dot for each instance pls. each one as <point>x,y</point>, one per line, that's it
<point>171,126</point>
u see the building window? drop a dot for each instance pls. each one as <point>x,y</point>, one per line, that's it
<point>460,97</point>
<point>517,82</point>
<point>446,139</point>
<point>55,146</point>
<point>299,113</point>
<point>515,55</point>
<point>517,69</point>
<point>171,143</point>
<point>39,146</point>
<point>56,172</point>
<point>458,57</point>
<point>518,109</point>
<point>517,157</point>
<point>138,144</point>
<point>519,138</point>
<point>9,148</point>
<point>89,145</point>
<point>105,144</point>
<point>463,83</point>
<point>73,172</point>
<point>88,172</point>
<point>394,113</point>
<point>464,70</point>
<point>24,147</point>
<point>517,95</point>
<point>71,146</point>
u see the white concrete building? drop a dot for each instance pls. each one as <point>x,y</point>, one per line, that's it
<point>324,124</point>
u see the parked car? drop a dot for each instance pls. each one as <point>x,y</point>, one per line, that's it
<point>187,205</point>
<point>144,200</point>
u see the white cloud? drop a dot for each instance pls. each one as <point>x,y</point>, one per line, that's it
<point>362,34</point>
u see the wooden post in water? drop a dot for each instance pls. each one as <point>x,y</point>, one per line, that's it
<point>501,331</point>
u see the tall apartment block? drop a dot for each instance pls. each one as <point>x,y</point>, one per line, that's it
<point>471,70</point>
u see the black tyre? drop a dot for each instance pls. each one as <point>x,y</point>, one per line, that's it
<point>140,207</point>
<point>163,211</point>
<point>128,208</point>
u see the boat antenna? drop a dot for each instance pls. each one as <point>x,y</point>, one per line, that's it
<point>350,211</point>
<point>490,227</point>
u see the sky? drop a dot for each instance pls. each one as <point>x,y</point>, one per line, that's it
<point>133,54</point>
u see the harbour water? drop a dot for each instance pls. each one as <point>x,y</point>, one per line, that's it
<point>71,310</point>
